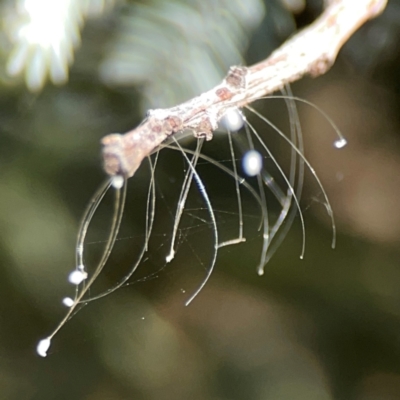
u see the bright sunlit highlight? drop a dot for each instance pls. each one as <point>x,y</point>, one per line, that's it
<point>44,34</point>
<point>46,26</point>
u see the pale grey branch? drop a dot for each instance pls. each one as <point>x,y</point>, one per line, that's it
<point>311,51</point>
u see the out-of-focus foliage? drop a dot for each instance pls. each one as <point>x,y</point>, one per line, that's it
<point>327,327</point>
<point>152,43</point>
<point>157,41</point>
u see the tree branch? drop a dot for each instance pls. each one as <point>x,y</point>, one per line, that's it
<point>311,51</point>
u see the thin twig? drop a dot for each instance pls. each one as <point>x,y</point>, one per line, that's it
<point>311,51</point>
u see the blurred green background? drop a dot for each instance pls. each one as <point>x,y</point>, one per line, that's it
<point>326,327</point>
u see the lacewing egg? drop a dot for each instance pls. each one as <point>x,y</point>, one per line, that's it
<point>76,277</point>
<point>252,163</point>
<point>43,346</point>
<point>340,143</point>
<point>68,302</point>
<point>232,120</point>
<point>117,181</point>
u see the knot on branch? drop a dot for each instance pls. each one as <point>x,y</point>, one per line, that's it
<point>322,65</point>
<point>237,77</point>
<point>207,125</point>
<point>162,122</point>
<point>113,147</point>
